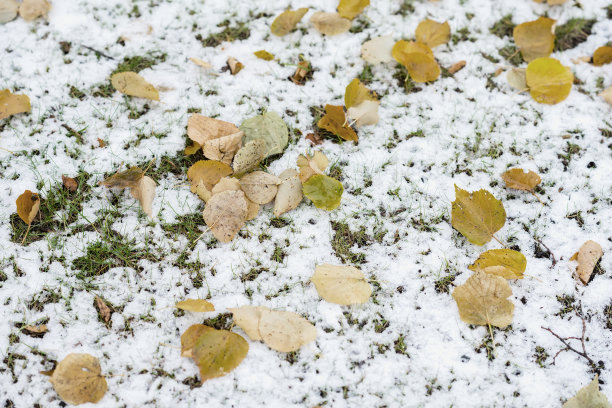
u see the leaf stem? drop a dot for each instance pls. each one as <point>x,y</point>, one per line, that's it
<point>497,239</point>
<point>538,198</point>
<point>26,234</point>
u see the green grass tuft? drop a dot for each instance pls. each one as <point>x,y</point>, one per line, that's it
<point>572,33</point>
<point>504,27</point>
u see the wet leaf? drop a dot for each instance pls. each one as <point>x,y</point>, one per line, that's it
<point>330,23</point>
<point>124,179</point>
<point>351,8</point>
<point>334,121</point>
<point>507,263</point>
<point>418,60</point>
<point>270,128</point>
<point>249,156</point>
<point>341,284</point>
<point>8,11</point>
<point>378,50</point>
<point>285,331</point>
<point>260,187</point>
<point>520,179</point>
<point>364,114</point>
<point>195,305</point>
<point>77,379</point>
<point>549,82</point>
<point>478,215</point>
<point>264,55</point>
<point>587,257</point>
<point>602,56</point>
<point>32,9</point>
<point>589,397</point>
<point>289,193</point>
<point>201,129</point>
<point>311,165</point>
<point>517,79</point>
<point>286,21</point>
<point>225,214</point>
<point>535,39</point>
<point>482,300</point>
<point>11,104</point>
<point>356,93</point>
<point>432,33</point>
<point>130,83</point>
<point>144,192</point>
<point>209,172</point>
<point>224,148</point>
<point>28,205</point>
<point>324,192</point>
<point>215,352</point>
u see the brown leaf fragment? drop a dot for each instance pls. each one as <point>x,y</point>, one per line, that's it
<point>587,257</point>
<point>456,67</point>
<point>104,312</point>
<point>101,143</point>
<point>11,104</point>
<point>302,70</point>
<point>334,121</point>
<point>28,204</point>
<point>315,139</point>
<point>35,331</point>
<point>124,179</point>
<point>234,65</point>
<point>201,63</point>
<point>224,148</point>
<point>70,183</point>
<point>77,379</point>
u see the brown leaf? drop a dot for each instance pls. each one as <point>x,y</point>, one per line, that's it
<point>302,70</point>
<point>225,214</point>
<point>456,67</point>
<point>520,180</point>
<point>11,104</point>
<point>315,140</point>
<point>124,179</point>
<point>28,204</point>
<point>77,379</point>
<point>70,183</point>
<point>104,312</point>
<point>587,257</point>
<point>334,121</point>
<point>234,65</point>
<point>35,331</point>
<point>249,156</point>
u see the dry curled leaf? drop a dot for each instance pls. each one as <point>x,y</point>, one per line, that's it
<point>225,214</point>
<point>234,65</point>
<point>432,33</point>
<point>247,318</point>
<point>535,39</point>
<point>330,23</point>
<point>602,56</point>
<point>507,263</point>
<point>289,193</point>
<point>418,60</point>
<point>286,21</point>
<point>70,183</point>
<point>224,148</point>
<point>28,205</point>
<point>249,156</point>
<point>315,139</point>
<point>517,79</point>
<point>209,172</point>
<point>587,257</point>
<point>589,396</point>
<point>32,9</point>
<point>260,187</point>
<point>195,305</point>
<point>201,128</point>
<point>144,192</point>
<point>351,8</point>
<point>104,312</point>
<point>11,104</point>
<point>311,165</point>
<point>477,215</point>
<point>77,379</point>
<point>341,284</point>
<point>334,121</point>
<point>378,50</point>
<point>482,300</point>
<point>130,83</point>
<point>8,10</point>
<point>549,82</point>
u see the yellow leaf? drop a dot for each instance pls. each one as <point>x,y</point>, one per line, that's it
<point>521,180</point>
<point>507,263</point>
<point>77,379</point>
<point>482,300</point>
<point>145,193</point>
<point>356,92</point>
<point>11,104</point>
<point>351,8</point>
<point>195,305</point>
<point>209,172</point>
<point>286,21</point>
<point>192,149</point>
<point>285,331</point>
<point>201,128</point>
<point>418,60</point>
<point>432,33</point>
<point>226,184</point>
<point>589,396</point>
<point>124,179</point>
<point>130,83</point>
<point>260,187</point>
<point>344,285</point>
<point>535,39</point>
<point>587,257</point>
<point>28,204</point>
<point>330,23</point>
<point>289,194</point>
<point>477,215</point>
<point>334,121</point>
<point>32,9</point>
<point>549,82</point>
<point>225,214</point>
<point>311,165</point>
<point>378,50</point>
<point>366,113</point>
<point>602,56</point>
<point>264,55</point>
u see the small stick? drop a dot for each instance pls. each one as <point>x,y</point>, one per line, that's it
<point>97,52</point>
<point>26,234</point>
<point>554,260</point>
<point>537,198</point>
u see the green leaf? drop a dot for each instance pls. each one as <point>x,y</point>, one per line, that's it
<point>269,127</point>
<point>324,192</point>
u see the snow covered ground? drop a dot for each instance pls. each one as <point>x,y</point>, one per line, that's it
<point>407,346</point>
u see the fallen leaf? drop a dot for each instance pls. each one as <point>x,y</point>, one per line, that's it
<point>249,156</point>
<point>289,193</point>
<point>252,210</point>
<point>35,331</point>
<point>517,79</point>
<point>535,39</point>
<point>285,331</point>
<point>104,311</point>
<point>477,215</point>
<point>226,184</point>
<point>215,352</point>
<point>200,63</point>
<point>418,60</point>
<point>286,21</point>
<point>225,214</point>
<point>32,9</point>
<point>602,56</point>
<point>11,104</point>
<point>378,50</point>
<point>77,379</point>
<point>144,192</point>
<point>8,10</point>
<point>341,284</point>
<point>234,65</point>
<point>607,94</point>
<point>589,397</point>
<point>264,55</point>
<point>334,121</point>
<point>520,180</point>
<point>311,165</point>
<point>432,33</point>
<point>201,128</point>
<point>70,183</point>
<point>224,148</point>
<point>482,300</point>
<point>201,190</point>
<point>324,192</point>
<point>192,149</point>
<point>315,139</point>
<point>587,257</point>
<point>195,305</point>
<point>330,23</point>
<point>124,179</point>
<point>456,67</point>
<point>130,83</point>
<point>260,187</point>
<point>28,205</point>
<point>301,72</point>
<point>549,82</point>
<point>209,172</point>
<point>507,263</point>
<point>247,318</point>
<point>351,8</point>
<point>356,93</point>
<point>364,114</point>
<point>101,143</point>
<point>268,127</point>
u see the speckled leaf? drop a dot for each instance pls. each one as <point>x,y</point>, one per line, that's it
<point>351,8</point>
<point>334,121</point>
<point>130,83</point>
<point>195,305</point>
<point>249,156</point>
<point>341,284</point>
<point>289,193</point>
<point>589,397</point>
<point>477,215</point>
<point>520,179</point>
<point>549,82</point>
<point>11,104</point>
<point>78,379</point>
<point>587,257</point>
<point>207,171</point>
<point>260,187</point>
<point>432,33</point>
<point>324,192</point>
<point>482,300</point>
<point>535,39</point>
<point>507,263</point>
<point>226,184</point>
<point>286,21</point>
<point>28,205</point>
<point>269,127</point>
<point>285,331</point>
<point>378,50</point>
<point>225,214</point>
<point>330,23</point>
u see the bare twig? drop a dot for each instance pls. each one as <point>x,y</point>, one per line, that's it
<point>554,260</point>
<point>97,52</point>
<point>568,346</point>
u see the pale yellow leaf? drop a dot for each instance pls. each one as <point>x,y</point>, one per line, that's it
<point>8,10</point>
<point>78,379</point>
<point>330,23</point>
<point>516,79</point>
<point>201,129</point>
<point>378,50</point>
<point>587,257</point>
<point>223,148</point>
<point>247,318</point>
<point>260,187</point>
<point>289,193</point>
<point>130,83</point>
<point>341,284</point>
<point>589,397</point>
<point>195,305</point>
<point>145,193</point>
<point>200,63</point>
<point>286,21</point>
<point>32,9</point>
<point>249,156</point>
<point>285,331</point>
<point>366,113</point>
<point>507,263</point>
<point>225,214</point>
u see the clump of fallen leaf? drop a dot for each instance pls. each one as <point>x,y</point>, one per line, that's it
<point>330,23</point>
<point>218,139</point>
<point>341,284</point>
<point>195,305</point>
<point>311,165</point>
<point>11,104</point>
<point>587,257</point>
<point>141,187</point>
<point>286,21</point>
<point>131,83</point>
<point>234,65</point>
<point>351,8</point>
<point>432,33</point>
<point>77,379</point>
<point>507,263</point>
<point>589,397</point>
<point>477,215</point>
<point>32,9</point>
<point>535,39</point>
<point>215,352</point>
<point>418,59</point>
<point>549,82</point>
